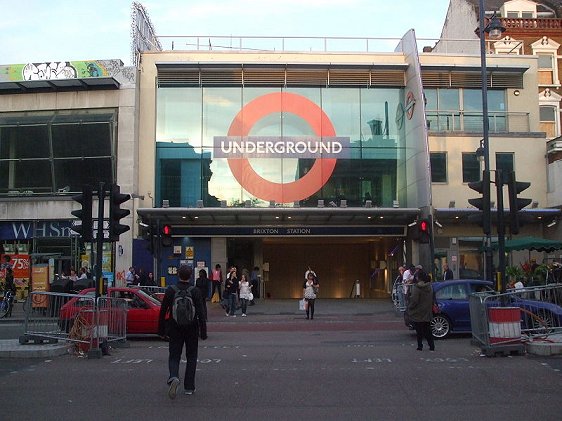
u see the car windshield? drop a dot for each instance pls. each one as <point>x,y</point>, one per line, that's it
<point>149,297</point>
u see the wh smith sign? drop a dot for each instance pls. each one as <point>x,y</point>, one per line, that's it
<point>24,230</point>
<point>324,146</point>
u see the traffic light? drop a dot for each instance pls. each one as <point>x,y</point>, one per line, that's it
<point>424,231</point>
<point>483,203</point>
<point>515,203</point>
<point>116,198</point>
<point>166,236</point>
<point>84,214</point>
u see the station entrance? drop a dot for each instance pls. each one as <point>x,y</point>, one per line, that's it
<point>338,263</point>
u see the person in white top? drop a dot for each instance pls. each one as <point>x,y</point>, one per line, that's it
<point>245,293</point>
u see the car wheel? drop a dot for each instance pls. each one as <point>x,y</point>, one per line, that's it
<point>440,326</point>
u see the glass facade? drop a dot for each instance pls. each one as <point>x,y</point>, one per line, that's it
<point>56,152</point>
<point>460,110</point>
<point>290,145</point>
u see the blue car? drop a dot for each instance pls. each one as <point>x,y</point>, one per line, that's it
<point>541,311</point>
<point>453,300</point>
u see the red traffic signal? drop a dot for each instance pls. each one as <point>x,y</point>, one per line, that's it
<point>424,231</point>
<point>166,236</point>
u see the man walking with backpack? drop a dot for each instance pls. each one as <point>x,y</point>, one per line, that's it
<point>182,320</point>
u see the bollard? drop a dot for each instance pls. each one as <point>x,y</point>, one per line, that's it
<point>357,289</point>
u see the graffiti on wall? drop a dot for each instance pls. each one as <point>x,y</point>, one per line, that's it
<point>46,71</point>
<point>66,70</point>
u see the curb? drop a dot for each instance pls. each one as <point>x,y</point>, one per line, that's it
<point>545,347</point>
<point>11,348</point>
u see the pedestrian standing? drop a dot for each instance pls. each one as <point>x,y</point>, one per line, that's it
<point>168,328</point>
<point>310,291</point>
<point>231,291</point>
<point>245,290</point>
<point>202,283</point>
<point>131,277</point>
<point>420,309</point>
<point>447,273</point>
<point>216,278</point>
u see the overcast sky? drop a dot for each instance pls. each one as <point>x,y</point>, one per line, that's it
<point>58,30</point>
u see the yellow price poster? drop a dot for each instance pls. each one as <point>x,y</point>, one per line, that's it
<point>40,283</point>
<point>189,253</point>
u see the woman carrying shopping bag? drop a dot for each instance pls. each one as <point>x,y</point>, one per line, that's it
<point>310,289</point>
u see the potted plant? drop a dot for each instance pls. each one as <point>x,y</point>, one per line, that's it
<point>514,273</point>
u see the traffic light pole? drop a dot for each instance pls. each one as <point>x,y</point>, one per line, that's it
<point>99,241</point>
<point>501,231</point>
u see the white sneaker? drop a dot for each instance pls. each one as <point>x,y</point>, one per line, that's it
<point>190,392</point>
<point>234,315</point>
<point>172,391</point>
<point>243,315</point>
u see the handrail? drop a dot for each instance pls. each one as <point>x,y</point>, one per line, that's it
<point>340,44</point>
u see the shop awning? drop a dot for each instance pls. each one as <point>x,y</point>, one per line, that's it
<point>53,85</point>
<point>530,243</point>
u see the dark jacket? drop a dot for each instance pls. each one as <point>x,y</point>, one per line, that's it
<point>448,275</point>
<point>202,283</point>
<point>165,319</point>
<point>421,302</point>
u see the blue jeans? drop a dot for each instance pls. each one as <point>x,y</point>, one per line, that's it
<point>244,303</point>
<point>232,303</point>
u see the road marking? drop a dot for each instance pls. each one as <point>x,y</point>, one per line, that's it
<point>445,360</point>
<point>371,360</point>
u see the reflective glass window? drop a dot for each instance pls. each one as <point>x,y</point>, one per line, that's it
<point>226,170</point>
<point>56,152</point>
<point>470,167</point>
<point>438,167</point>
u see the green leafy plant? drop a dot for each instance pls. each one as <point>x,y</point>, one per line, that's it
<point>514,272</point>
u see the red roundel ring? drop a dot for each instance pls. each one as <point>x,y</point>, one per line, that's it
<point>296,190</point>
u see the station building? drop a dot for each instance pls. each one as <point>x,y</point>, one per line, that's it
<point>269,157</point>
<point>285,160</point>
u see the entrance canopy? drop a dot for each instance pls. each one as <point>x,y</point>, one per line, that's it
<point>530,243</point>
<point>274,216</point>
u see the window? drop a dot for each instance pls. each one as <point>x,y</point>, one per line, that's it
<point>452,292</point>
<point>56,152</point>
<point>548,121</point>
<point>546,51</point>
<point>461,110</point>
<point>546,68</point>
<point>438,167</point>
<point>470,167</point>
<point>504,162</point>
<point>190,165</point>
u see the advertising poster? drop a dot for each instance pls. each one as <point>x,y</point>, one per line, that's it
<point>39,283</point>
<point>22,270</point>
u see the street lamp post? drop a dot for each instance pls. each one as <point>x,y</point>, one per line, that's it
<point>494,29</point>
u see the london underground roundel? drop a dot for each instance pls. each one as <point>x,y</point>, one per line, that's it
<point>306,185</point>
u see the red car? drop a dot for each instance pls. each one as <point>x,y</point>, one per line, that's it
<point>143,310</point>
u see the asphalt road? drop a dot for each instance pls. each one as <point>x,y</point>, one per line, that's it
<point>331,372</point>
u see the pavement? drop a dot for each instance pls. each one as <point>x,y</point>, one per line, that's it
<point>270,315</point>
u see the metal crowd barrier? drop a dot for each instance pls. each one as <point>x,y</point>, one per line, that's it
<point>503,323</point>
<point>398,296</point>
<point>86,325</point>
